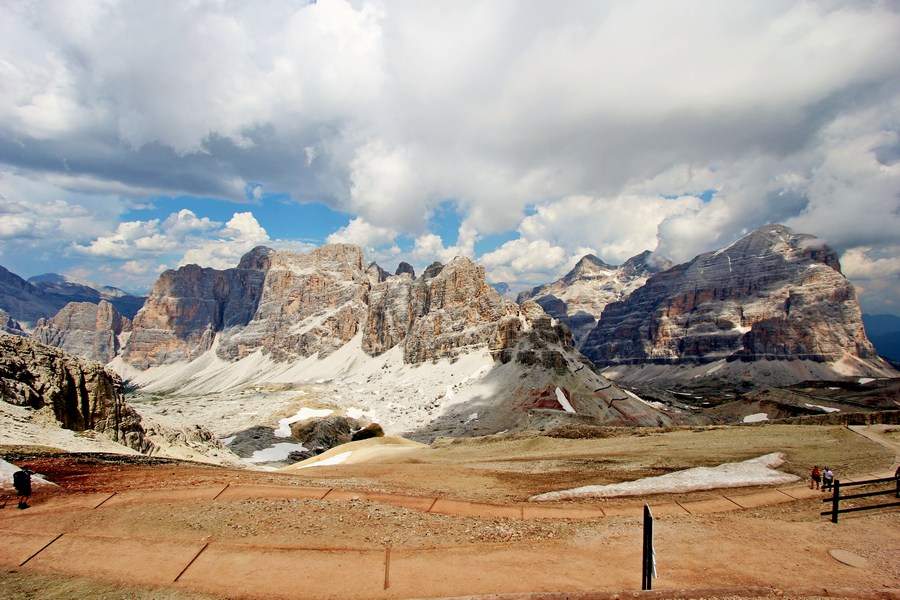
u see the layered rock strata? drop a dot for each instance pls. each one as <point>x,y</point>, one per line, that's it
<point>578,299</point>
<point>79,393</point>
<point>774,294</point>
<point>450,309</point>
<point>92,331</point>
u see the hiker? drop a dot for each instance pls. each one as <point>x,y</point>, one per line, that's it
<point>22,483</point>
<point>815,478</point>
<point>827,479</point>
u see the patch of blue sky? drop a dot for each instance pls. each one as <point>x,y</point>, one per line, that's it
<point>705,195</point>
<point>491,242</point>
<point>445,221</point>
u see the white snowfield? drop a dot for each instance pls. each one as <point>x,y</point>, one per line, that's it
<point>756,471</point>
<point>6,478</point>
<point>756,418</point>
<point>564,402</point>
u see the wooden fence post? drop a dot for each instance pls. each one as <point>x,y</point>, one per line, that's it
<point>835,501</point>
<point>647,566</point>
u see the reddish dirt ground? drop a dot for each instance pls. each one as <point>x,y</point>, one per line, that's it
<point>450,526</point>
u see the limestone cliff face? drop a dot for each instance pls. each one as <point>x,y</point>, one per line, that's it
<point>85,329</point>
<point>189,306</point>
<point>287,304</point>
<point>774,294</point>
<point>578,299</point>
<point>80,393</point>
<point>291,306</point>
<point>449,310</point>
<point>308,304</point>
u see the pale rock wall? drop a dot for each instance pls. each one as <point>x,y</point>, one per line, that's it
<point>773,294</point>
<point>85,329</point>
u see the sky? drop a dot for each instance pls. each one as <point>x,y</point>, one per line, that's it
<point>138,136</point>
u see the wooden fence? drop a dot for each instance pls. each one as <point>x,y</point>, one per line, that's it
<point>836,498</point>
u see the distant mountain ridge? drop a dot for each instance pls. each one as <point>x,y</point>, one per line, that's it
<point>578,298</point>
<point>41,297</point>
<point>772,295</point>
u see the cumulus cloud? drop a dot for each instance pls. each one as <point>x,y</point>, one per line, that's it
<point>581,125</point>
<point>364,234</point>
<point>142,249</point>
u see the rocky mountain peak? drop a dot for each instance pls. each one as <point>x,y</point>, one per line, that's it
<point>376,273</point>
<point>258,259</point>
<point>589,267</point>
<point>92,331</point>
<point>405,267</point>
<point>432,270</point>
<point>578,298</point>
<point>773,294</point>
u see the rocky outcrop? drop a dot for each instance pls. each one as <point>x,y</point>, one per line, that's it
<point>578,299</point>
<point>309,304</point>
<point>10,325</point>
<point>89,330</point>
<point>79,393</point>
<point>774,294</point>
<point>288,305</point>
<point>320,434</point>
<point>449,310</point>
<point>376,273</point>
<point>405,267</point>
<point>187,307</point>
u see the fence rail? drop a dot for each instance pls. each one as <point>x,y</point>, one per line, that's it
<point>836,497</point>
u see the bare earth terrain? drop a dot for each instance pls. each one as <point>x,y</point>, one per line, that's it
<point>452,520</point>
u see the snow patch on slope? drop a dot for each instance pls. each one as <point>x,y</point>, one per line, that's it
<point>756,471</point>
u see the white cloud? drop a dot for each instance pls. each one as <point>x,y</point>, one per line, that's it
<point>362,233</point>
<point>572,123</point>
<point>523,260</point>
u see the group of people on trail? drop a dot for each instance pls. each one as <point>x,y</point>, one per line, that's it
<point>823,479</point>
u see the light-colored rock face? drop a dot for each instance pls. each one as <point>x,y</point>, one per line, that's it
<point>189,306</point>
<point>578,299</point>
<point>81,394</point>
<point>88,330</point>
<point>10,325</point>
<point>309,304</point>
<point>286,304</point>
<point>771,295</point>
<point>448,310</point>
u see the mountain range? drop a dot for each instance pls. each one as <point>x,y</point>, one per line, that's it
<point>444,353</point>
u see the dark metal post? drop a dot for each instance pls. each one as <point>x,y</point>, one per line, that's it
<point>835,501</point>
<point>647,565</point>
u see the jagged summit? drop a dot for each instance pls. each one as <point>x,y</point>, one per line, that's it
<point>589,267</point>
<point>578,298</point>
<point>773,294</point>
<point>328,312</point>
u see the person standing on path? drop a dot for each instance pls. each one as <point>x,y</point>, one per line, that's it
<point>827,479</point>
<point>22,483</point>
<point>815,478</point>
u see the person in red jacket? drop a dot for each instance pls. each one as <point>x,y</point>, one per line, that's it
<point>815,478</point>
